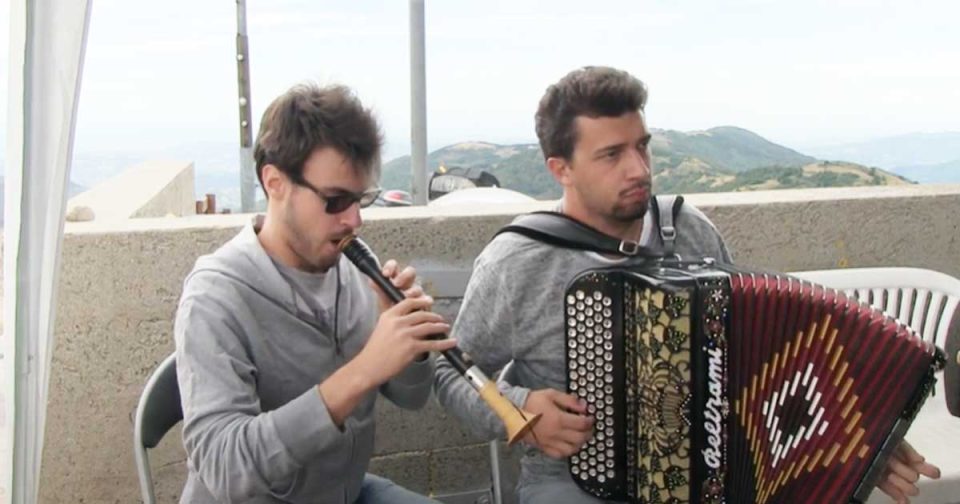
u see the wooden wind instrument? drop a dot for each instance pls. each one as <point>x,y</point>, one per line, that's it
<point>517,421</point>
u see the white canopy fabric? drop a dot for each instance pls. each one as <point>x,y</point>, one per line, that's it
<point>47,43</point>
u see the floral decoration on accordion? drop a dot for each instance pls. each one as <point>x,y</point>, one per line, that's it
<point>784,445</point>
<point>662,336</point>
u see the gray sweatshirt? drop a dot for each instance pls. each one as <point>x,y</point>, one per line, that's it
<point>513,310</point>
<point>251,349</point>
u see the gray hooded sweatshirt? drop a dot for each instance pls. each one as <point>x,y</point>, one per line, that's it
<point>512,310</point>
<point>251,348</point>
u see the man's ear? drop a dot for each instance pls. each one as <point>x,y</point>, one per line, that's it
<point>560,169</point>
<point>275,183</point>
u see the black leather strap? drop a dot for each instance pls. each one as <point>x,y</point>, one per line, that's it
<point>564,231</point>
<point>665,211</point>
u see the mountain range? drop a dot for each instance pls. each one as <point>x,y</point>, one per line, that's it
<point>923,157</point>
<point>936,173</point>
<point>724,158</point>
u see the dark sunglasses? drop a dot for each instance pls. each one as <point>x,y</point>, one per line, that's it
<point>340,202</point>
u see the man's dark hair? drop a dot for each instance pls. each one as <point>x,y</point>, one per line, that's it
<point>589,91</point>
<point>309,117</point>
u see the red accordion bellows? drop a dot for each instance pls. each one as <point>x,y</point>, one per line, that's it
<point>715,385</point>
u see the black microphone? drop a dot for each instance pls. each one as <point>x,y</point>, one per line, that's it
<point>362,257</point>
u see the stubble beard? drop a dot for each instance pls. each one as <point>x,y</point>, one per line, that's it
<point>300,244</point>
<point>629,214</point>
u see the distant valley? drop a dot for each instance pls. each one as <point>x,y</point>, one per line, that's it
<point>927,158</point>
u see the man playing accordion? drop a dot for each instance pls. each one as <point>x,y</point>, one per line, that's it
<point>594,137</point>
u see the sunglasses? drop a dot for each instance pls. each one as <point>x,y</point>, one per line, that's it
<point>340,202</point>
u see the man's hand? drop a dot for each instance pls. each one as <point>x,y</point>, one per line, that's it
<point>405,280</point>
<point>400,337</point>
<point>903,470</point>
<point>564,425</point>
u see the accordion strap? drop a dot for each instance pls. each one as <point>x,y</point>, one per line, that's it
<point>564,231</point>
<point>665,210</point>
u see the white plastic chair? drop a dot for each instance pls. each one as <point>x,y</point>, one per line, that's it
<point>923,299</point>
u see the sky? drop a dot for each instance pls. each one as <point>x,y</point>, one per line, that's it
<point>801,73</point>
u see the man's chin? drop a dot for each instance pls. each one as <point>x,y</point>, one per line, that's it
<point>631,213</point>
<point>324,262</point>
<point>328,263</point>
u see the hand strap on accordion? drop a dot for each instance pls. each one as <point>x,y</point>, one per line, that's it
<point>564,231</point>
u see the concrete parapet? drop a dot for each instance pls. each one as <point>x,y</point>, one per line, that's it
<point>149,189</point>
<point>120,283</point>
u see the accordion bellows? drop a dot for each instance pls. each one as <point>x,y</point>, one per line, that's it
<point>721,385</point>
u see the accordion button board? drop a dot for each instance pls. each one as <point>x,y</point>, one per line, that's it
<point>713,384</point>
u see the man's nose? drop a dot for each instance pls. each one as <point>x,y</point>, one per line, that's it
<point>351,217</point>
<point>638,163</point>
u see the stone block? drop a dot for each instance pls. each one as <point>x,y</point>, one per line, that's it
<point>410,470</point>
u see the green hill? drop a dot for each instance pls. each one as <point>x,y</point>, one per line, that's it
<point>697,177</point>
<point>726,147</point>
<point>719,159</point>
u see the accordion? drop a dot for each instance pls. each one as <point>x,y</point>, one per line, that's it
<point>716,384</point>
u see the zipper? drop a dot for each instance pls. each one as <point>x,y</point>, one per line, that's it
<point>336,316</point>
<point>336,343</point>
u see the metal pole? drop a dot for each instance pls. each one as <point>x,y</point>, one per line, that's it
<point>248,184</point>
<point>418,103</point>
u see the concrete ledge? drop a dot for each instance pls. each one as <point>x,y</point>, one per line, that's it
<point>120,283</point>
